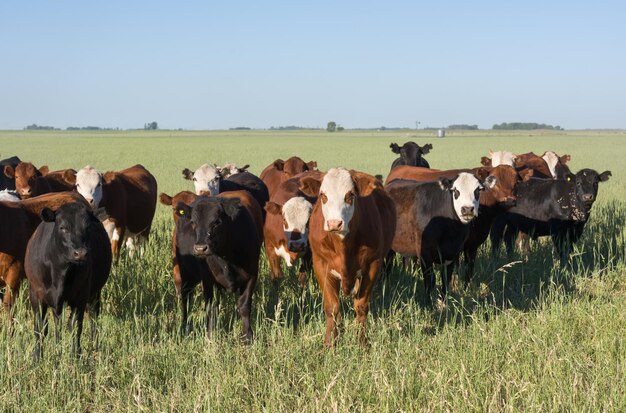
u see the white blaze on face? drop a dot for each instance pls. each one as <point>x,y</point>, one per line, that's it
<point>89,185</point>
<point>551,159</point>
<point>337,188</point>
<point>465,196</point>
<point>502,158</point>
<point>296,213</point>
<point>206,179</point>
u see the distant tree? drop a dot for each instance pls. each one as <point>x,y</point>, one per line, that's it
<point>151,126</point>
<point>524,126</point>
<point>340,128</point>
<point>463,127</point>
<point>331,126</point>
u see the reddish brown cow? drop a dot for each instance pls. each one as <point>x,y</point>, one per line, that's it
<point>187,197</point>
<point>286,225</point>
<point>350,233</point>
<point>18,221</point>
<point>279,171</point>
<point>30,181</point>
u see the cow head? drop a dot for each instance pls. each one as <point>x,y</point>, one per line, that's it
<point>231,169</point>
<point>294,166</point>
<point>338,194</point>
<point>206,179</point>
<point>557,164</point>
<point>185,197</point>
<point>505,189</point>
<point>587,181</point>
<point>411,153</point>
<point>465,189</point>
<point>499,158</point>
<point>295,213</point>
<point>211,220</point>
<point>25,175</point>
<point>71,231</point>
<point>89,184</point>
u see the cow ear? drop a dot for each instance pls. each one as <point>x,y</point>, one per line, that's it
<point>394,148</point>
<point>481,174</point>
<point>364,183</point>
<point>490,153</point>
<point>69,176</point>
<point>183,210</point>
<point>446,184</point>
<point>565,159</point>
<point>165,199</point>
<point>47,215</point>
<point>232,206</point>
<point>9,172</point>
<point>485,161</point>
<point>187,174</point>
<point>426,148</point>
<point>526,174</point>
<point>243,168</point>
<point>44,170</point>
<point>604,176</point>
<point>310,186</point>
<point>312,165</point>
<point>490,182</point>
<point>273,208</point>
<point>279,164</point>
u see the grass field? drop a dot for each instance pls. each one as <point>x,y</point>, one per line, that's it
<point>530,337</point>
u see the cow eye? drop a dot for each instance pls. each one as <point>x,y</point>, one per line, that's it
<point>324,198</point>
<point>63,230</point>
<point>194,179</point>
<point>349,198</point>
<point>456,193</point>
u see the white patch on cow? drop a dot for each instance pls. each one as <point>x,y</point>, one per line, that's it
<point>552,159</point>
<point>282,253</point>
<point>296,213</point>
<point>109,227</point>
<point>502,158</point>
<point>116,235</point>
<point>89,184</point>
<point>8,195</point>
<point>465,185</point>
<point>206,179</point>
<point>336,184</point>
<point>335,274</point>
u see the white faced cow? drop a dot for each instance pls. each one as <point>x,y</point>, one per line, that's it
<point>499,158</point>
<point>206,179</point>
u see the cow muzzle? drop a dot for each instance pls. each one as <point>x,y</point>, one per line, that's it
<point>25,193</point>
<point>297,246</point>
<point>79,255</point>
<point>588,198</point>
<point>200,250</point>
<point>467,212</point>
<point>334,225</point>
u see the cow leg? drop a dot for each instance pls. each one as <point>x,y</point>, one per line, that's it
<point>495,235</point>
<point>274,260</point>
<point>210,309</point>
<point>446,274</point>
<point>185,303</point>
<point>244,305</point>
<point>94,313</point>
<point>429,280</point>
<point>77,321</point>
<point>523,243</point>
<point>116,239</point>
<point>362,298</point>
<point>509,239</point>
<point>177,278</point>
<point>14,276</point>
<point>329,285</point>
<point>306,263</point>
<point>470,260</point>
<point>39,311</point>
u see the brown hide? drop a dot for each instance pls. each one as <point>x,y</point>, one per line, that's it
<point>279,171</point>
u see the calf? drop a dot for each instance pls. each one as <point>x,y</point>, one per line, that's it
<point>433,221</point>
<point>350,233</point>
<point>286,225</point>
<point>217,244</point>
<point>556,208</point>
<point>279,171</point>
<point>30,181</point>
<point>5,181</point>
<point>410,154</point>
<point>128,198</point>
<point>67,261</point>
<point>18,221</point>
<point>208,180</point>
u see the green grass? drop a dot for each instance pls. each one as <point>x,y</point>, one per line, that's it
<point>530,337</point>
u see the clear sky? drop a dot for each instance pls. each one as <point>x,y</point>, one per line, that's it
<point>214,65</point>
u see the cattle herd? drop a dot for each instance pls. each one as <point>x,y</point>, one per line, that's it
<point>67,227</point>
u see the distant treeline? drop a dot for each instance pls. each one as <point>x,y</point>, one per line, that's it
<point>34,126</point>
<point>463,127</point>
<point>88,128</point>
<point>291,127</point>
<point>525,126</point>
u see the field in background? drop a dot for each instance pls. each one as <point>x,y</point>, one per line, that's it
<point>531,337</point>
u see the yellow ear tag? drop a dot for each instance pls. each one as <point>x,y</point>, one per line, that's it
<point>569,178</point>
<point>181,211</point>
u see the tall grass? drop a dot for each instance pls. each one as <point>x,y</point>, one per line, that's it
<point>523,336</point>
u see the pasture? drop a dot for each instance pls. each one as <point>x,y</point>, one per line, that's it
<point>523,336</point>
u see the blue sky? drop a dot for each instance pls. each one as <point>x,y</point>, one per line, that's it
<point>197,65</point>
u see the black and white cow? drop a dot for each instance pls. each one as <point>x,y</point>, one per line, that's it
<point>217,243</point>
<point>556,208</point>
<point>411,154</point>
<point>68,260</point>
<point>432,221</point>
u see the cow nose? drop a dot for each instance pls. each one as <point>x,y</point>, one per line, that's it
<point>200,249</point>
<point>25,192</point>
<point>296,246</point>
<point>334,224</point>
<point>79,254</point>
<point>295,235</point>
<point>588,197</point>
<point>467,210</point>
<point>91,201</point>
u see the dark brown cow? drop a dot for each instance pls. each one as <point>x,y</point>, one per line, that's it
<point>286,225</point>
<point>128,197</point>
<point>30,181</point>
<point>350,233</point>
<point>187,197</point>
<point>18,221</point>
<point>279,171</point>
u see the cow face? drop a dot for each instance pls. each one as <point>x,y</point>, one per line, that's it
<point>25,175</point>
<point>501,158</point>
<point>89,185</point>
<point>231,169</point>
<point>71,231</point>
<point>295,213</point>
<point>587,181</point>
<point>556,164</point>
<point>186,197</point>
<point>465,189</point>
<point>211,221</point>
<point>504,190</point>
<point>411,152</point>
<point>206,179</point>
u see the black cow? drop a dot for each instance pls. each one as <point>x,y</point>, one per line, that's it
<point>433,221</point>
<point>7,182</point>
<point>68,260</point>
<point>411,154</point>
<point>217,243</point>
<point>558,208</point>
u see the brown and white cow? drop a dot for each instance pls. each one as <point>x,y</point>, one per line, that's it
<point>350,233</point>
<point>286,225</point>
<point>128,198</point>
<point>499,158</point>
<point>279,171</point>
<point>30,181</point>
